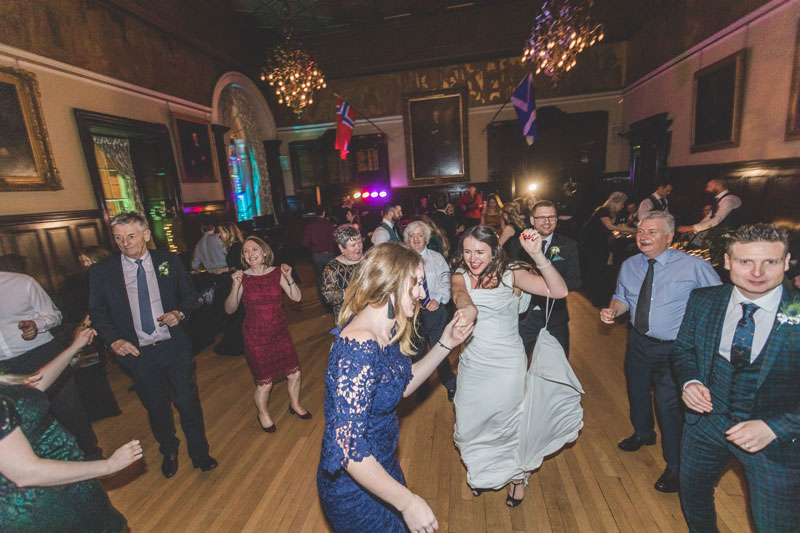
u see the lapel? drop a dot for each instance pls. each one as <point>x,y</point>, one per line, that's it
<point>118,282</point>
<point>157,258</point>
<point>777,335</point>
<point>716,317</point>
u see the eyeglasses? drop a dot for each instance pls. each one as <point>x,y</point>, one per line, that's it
<point>548,217</point>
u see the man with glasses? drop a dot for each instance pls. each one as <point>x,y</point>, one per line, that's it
<point>563,254</point>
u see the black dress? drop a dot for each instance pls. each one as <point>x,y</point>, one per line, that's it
<point>232,342</point>
<point>595,247</point>
<point>72,507</point>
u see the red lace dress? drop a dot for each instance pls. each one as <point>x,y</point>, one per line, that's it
<point>267,344</point>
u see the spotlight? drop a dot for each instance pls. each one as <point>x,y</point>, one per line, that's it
<point>382,194</point>
<point>374,194</point>
<point>365,194</point>
<point>532,187</point>
<point>356,195</point>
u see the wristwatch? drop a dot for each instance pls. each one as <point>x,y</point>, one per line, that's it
<point>181,316</point>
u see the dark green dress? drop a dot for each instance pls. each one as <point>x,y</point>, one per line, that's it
<point>81,506</point>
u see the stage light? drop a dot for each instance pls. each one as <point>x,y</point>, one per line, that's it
<point>365,194</point>
<point>374,194</point>
<point>356,195</point>
<point>532,187</point>
<point>382,194</point>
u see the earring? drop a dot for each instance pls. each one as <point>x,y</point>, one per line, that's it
<point>390,310</point>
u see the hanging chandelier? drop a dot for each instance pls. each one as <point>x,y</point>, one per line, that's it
<point>293,73</point>
<point>561,32</point>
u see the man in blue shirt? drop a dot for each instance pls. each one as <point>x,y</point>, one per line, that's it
<point>654,286</point>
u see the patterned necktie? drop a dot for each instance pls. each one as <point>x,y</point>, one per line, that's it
<point>642,319</point>
<point>145,311</point>
<point>427,294</point>
<point>743,337</point>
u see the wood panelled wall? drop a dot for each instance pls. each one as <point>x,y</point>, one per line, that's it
<point>51,242</point>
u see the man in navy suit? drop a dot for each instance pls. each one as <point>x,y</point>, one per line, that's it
<point>737,358</point>
<point>149,339</point>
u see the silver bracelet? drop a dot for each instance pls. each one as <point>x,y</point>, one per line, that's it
<point>443,346</point>
<point>549,264</point>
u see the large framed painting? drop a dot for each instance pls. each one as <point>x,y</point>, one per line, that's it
<point>717,104</point>
<point>793,117</point>
<point>436,136</point>
<point>26,158</point>
<point>197,157</point>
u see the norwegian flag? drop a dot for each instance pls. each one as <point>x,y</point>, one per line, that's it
<point>345,120</point>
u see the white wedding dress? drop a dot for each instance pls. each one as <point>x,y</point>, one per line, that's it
<point>508,419</point>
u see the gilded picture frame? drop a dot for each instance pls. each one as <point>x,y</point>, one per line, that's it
<point>26,157</point>
<point>717,104</point>
<point>435,125</point>
<point>793,115</point>
<point>194,143</point>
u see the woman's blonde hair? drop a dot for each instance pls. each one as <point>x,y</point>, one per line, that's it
<point>511,210</point>
<point>14,379</point>
<point>232,234</point>
<point>384,272</point>
<point>268,255</point>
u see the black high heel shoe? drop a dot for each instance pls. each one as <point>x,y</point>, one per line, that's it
<point>306,416</point>
<point>477,492</point>
<point>511,501</point>
<point>270,429</point>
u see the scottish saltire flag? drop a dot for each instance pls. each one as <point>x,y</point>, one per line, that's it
<point>345,120</point>
<point>525,105</point>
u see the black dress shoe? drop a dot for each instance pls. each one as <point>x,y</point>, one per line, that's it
<point>451,394</point>
<point>668,482</point>
<point>170,464</point>
<point>633,443</point>
<point>205,463</point>
<point>305,416</point>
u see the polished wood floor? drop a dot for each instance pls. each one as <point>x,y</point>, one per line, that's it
<point>267,482</point>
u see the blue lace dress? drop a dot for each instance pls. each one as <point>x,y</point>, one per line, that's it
<point>363,385</point>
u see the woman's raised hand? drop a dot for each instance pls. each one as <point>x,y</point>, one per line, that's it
<point>83,336</point>
<point>125,455</point>
<point>237,277</point>
<point>455,334</point>
<point>286,270</point>
<point>418,516</point>
<point>531,241</point>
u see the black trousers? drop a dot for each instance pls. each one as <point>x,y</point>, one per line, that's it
<point>158,371</point>
<point>63,394</point>
<point>647,366</point>
<point>431,327</point>
<point>533,321</point>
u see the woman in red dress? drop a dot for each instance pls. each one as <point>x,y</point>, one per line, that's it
<point>267,344</point>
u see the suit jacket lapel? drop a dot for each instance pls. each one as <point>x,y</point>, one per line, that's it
<point>716,317</point>
<point>119,282</point>
<point>158,259</point>
<point>774,342</point>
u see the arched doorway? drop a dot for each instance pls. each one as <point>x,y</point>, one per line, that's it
<point>239,105</point>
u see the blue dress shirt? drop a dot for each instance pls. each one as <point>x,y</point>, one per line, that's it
<point>675,275</point>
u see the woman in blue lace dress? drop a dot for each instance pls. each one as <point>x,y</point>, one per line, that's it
<point>359,479</point>
<point>46,484</point>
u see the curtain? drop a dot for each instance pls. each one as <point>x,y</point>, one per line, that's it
<point>118,154</point>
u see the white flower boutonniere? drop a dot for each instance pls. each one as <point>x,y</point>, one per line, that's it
<point>163,269</point>
<point>554,252</point>
<point>789,313</point>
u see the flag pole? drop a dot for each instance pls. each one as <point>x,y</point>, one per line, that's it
<point>365,117</point>
<point>498,112</point>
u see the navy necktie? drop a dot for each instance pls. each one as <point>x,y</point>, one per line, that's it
<point>145,311</point>
<point>427,298</point>
<point>641,321</point>
<point>743,336</point>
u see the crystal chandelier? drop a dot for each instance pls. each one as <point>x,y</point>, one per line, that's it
<point>561,32</point>
<point>293,73</point>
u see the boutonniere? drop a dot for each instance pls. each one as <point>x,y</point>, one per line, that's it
<point>789,313</point>
<point>163,269</point>
<point>554,252</point>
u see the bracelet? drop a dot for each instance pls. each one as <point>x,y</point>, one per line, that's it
<point>292,283</point>
<point>443,346</point>
<point>549,264</point>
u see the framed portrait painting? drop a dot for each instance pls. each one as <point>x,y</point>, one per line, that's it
<point>196,154</point>
<point>26,158</point>
<point>717,104</point>
<point>793,116</point>
<point>435,125</point>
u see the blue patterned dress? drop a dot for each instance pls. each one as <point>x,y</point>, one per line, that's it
<point>72,507</point>
<point>363,385</point>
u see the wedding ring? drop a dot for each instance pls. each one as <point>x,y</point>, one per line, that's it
<point>746,446</point>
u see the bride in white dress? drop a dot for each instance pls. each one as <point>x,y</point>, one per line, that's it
<point>501,429</point>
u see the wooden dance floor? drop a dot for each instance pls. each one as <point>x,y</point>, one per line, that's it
<point>267,482</point>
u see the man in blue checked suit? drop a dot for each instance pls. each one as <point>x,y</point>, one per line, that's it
<point>737,358</point>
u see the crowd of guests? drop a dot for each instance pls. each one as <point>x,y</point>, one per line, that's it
<point>718,362</point>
